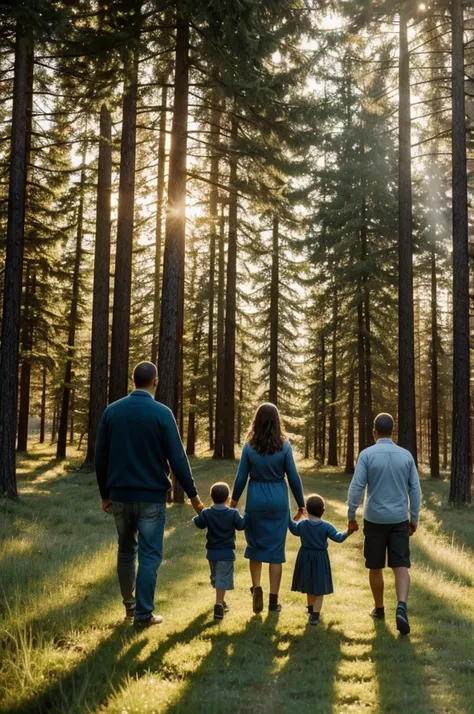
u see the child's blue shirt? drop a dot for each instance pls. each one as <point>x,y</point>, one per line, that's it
<point>315,534</point>
<point>221,523</point>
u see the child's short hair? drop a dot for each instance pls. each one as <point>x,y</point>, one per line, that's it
<point>315,505</point>
<point>220,492</point>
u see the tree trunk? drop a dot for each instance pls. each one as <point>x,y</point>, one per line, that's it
<point>322,442</point>
<point>274,300</point>
<point>369,439</point>
<point>349,468</point>
<point>241,401</point>
<point>25,370</point>
<point>101,289</point>
<point>71,342</point>
<point>30,285</point>
<point>461,477</point>
<point>43,408</point>
<point>434,422</point>
<point>332,447</point>
<point>71,415</point>
<point>213,219</point>
<point>54,424</point>
<point>123,264</point>
<point>160,192</point>
<point>418,376</point>
<point>231,304</point>
<point>191,435</point>
<point>362,417</point>
<point>445,436</point>
<point>171,329</point>
<point>406,366</point>
<point>14,267</point>
<point>220,404</point>
<point>364,319</point>
<point>315,406</point>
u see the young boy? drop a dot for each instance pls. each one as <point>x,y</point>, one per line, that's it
<point>221,523</point>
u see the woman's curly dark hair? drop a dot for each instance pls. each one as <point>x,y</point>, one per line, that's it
<point>267,433</point>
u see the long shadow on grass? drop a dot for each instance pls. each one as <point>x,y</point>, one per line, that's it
<point>316,650</point>
<point>457,575</point>
<point>22,576</point>
<point>449,635</point>
<point>90,683</point>
<point>259,670</point>
<point>455,521</point>
<point>235,674</point>
<point>400,673</point>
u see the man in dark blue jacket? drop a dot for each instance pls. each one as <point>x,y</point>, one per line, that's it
<point>137,444</point>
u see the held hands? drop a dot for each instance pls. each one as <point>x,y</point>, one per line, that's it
<point>233,504</point>
<point>197,504</point>
<point>413,527</point>
<point>107,505</point>
<point>300,514</point>
<point>352,526</point>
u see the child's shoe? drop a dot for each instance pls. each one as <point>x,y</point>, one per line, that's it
<point>378,613</point>
<point>257,599</point>
<point>219,612</point>
<point>314,618</point>
<point>274,608</point>
<point>273,604</point>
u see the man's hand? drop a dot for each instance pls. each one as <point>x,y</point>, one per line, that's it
<point>107,505</point>
<point>413,527</point>
<point>300,514</point>
<point>352,526</point>
<point>197,504</point>
<point>233,504</point>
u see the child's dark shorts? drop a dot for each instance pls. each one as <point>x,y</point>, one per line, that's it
<point>222,574</point>
<point>390,538</point>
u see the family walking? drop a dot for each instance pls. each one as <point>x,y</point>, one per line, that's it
<point>139,443</point>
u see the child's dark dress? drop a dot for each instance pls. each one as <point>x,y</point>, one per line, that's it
<point>312,568</point>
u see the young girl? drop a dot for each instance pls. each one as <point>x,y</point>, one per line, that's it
<point>312,568</point>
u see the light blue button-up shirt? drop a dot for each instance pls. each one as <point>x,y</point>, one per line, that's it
<point>389,473</point>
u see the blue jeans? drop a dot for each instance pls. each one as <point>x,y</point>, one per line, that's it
<point>140,528</point>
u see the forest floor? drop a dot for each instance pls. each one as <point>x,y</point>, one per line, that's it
<point>64,646</point>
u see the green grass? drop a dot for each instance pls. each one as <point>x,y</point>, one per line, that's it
<point>65,648</point>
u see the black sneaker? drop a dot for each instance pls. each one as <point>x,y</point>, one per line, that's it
<point>314,618</point>
<point>219,612</point>
<point>378,613</point>
<point>226,607</point>
<point>257,599</point>
<point>403,626</point>
<point>274,608</point>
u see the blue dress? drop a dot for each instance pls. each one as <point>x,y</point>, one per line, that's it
<point>312,568</point>
<point>267,505</point>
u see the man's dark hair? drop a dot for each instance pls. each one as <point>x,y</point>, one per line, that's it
<point>220,492</point>
<point>383,425</point>
<point>315,505</point>
<point>144,375</point>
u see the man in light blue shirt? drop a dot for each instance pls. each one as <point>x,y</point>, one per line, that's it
<point>391,511</point>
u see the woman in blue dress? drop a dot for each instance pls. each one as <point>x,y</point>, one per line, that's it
<point>266,458</point>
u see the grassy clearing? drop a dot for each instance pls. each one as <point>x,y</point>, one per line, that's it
<point>64,646</point>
